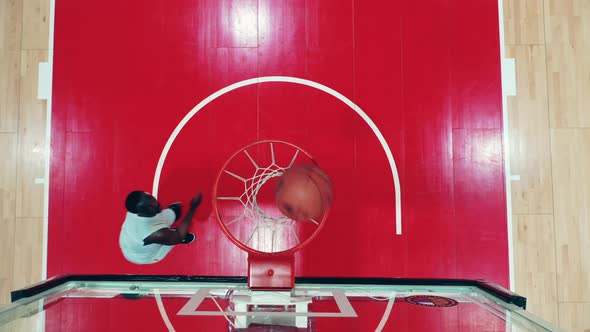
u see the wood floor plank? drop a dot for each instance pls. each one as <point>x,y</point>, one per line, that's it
<point>534,261</point>
<point>9,90</point>
<point>35,24</point>
<point>530,148</point>
<point>28,251</point>
<point>11,14</point>
<point>571,172</point>
<point>523,22</point>
<point>32,140</point>
<point>567,30</point>
<point>8,148</point>
<point>574,317</point>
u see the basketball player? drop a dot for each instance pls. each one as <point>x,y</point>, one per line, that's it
<point>146,236</point>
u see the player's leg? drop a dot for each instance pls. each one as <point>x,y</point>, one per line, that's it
<point>162,253</point>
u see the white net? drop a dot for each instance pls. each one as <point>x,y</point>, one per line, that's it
<point>270,230</point>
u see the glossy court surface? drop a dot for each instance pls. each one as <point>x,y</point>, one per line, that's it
<point>427,74</point>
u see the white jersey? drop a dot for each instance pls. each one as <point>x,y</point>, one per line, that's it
<point>136,228</point>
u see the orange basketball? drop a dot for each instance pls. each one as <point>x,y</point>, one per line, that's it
<point>303,192</point>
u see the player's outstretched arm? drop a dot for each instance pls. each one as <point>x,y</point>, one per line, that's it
<point>172,236</point>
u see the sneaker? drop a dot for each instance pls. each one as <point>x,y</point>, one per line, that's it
<point>190,237</point>
<point>177,208</point>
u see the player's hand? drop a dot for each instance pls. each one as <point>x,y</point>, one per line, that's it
<point>196,201</point>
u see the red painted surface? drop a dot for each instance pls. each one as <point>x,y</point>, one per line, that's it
<point>428,74</point>
<point>116,314</point>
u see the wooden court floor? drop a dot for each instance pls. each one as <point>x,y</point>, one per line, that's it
<point>549,145</point>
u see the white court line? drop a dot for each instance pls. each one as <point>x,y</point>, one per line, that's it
<point>48,93</point>
<point>163,311</point>
<point>506,85</point>
<point>289,79</point>
<point>387,313</point>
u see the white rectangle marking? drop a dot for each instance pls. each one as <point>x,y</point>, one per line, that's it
<point>44,81</point>
<point>509,76</point>
<point>190,308</point>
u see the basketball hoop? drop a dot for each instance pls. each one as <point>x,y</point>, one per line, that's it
<point>243,201</point>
